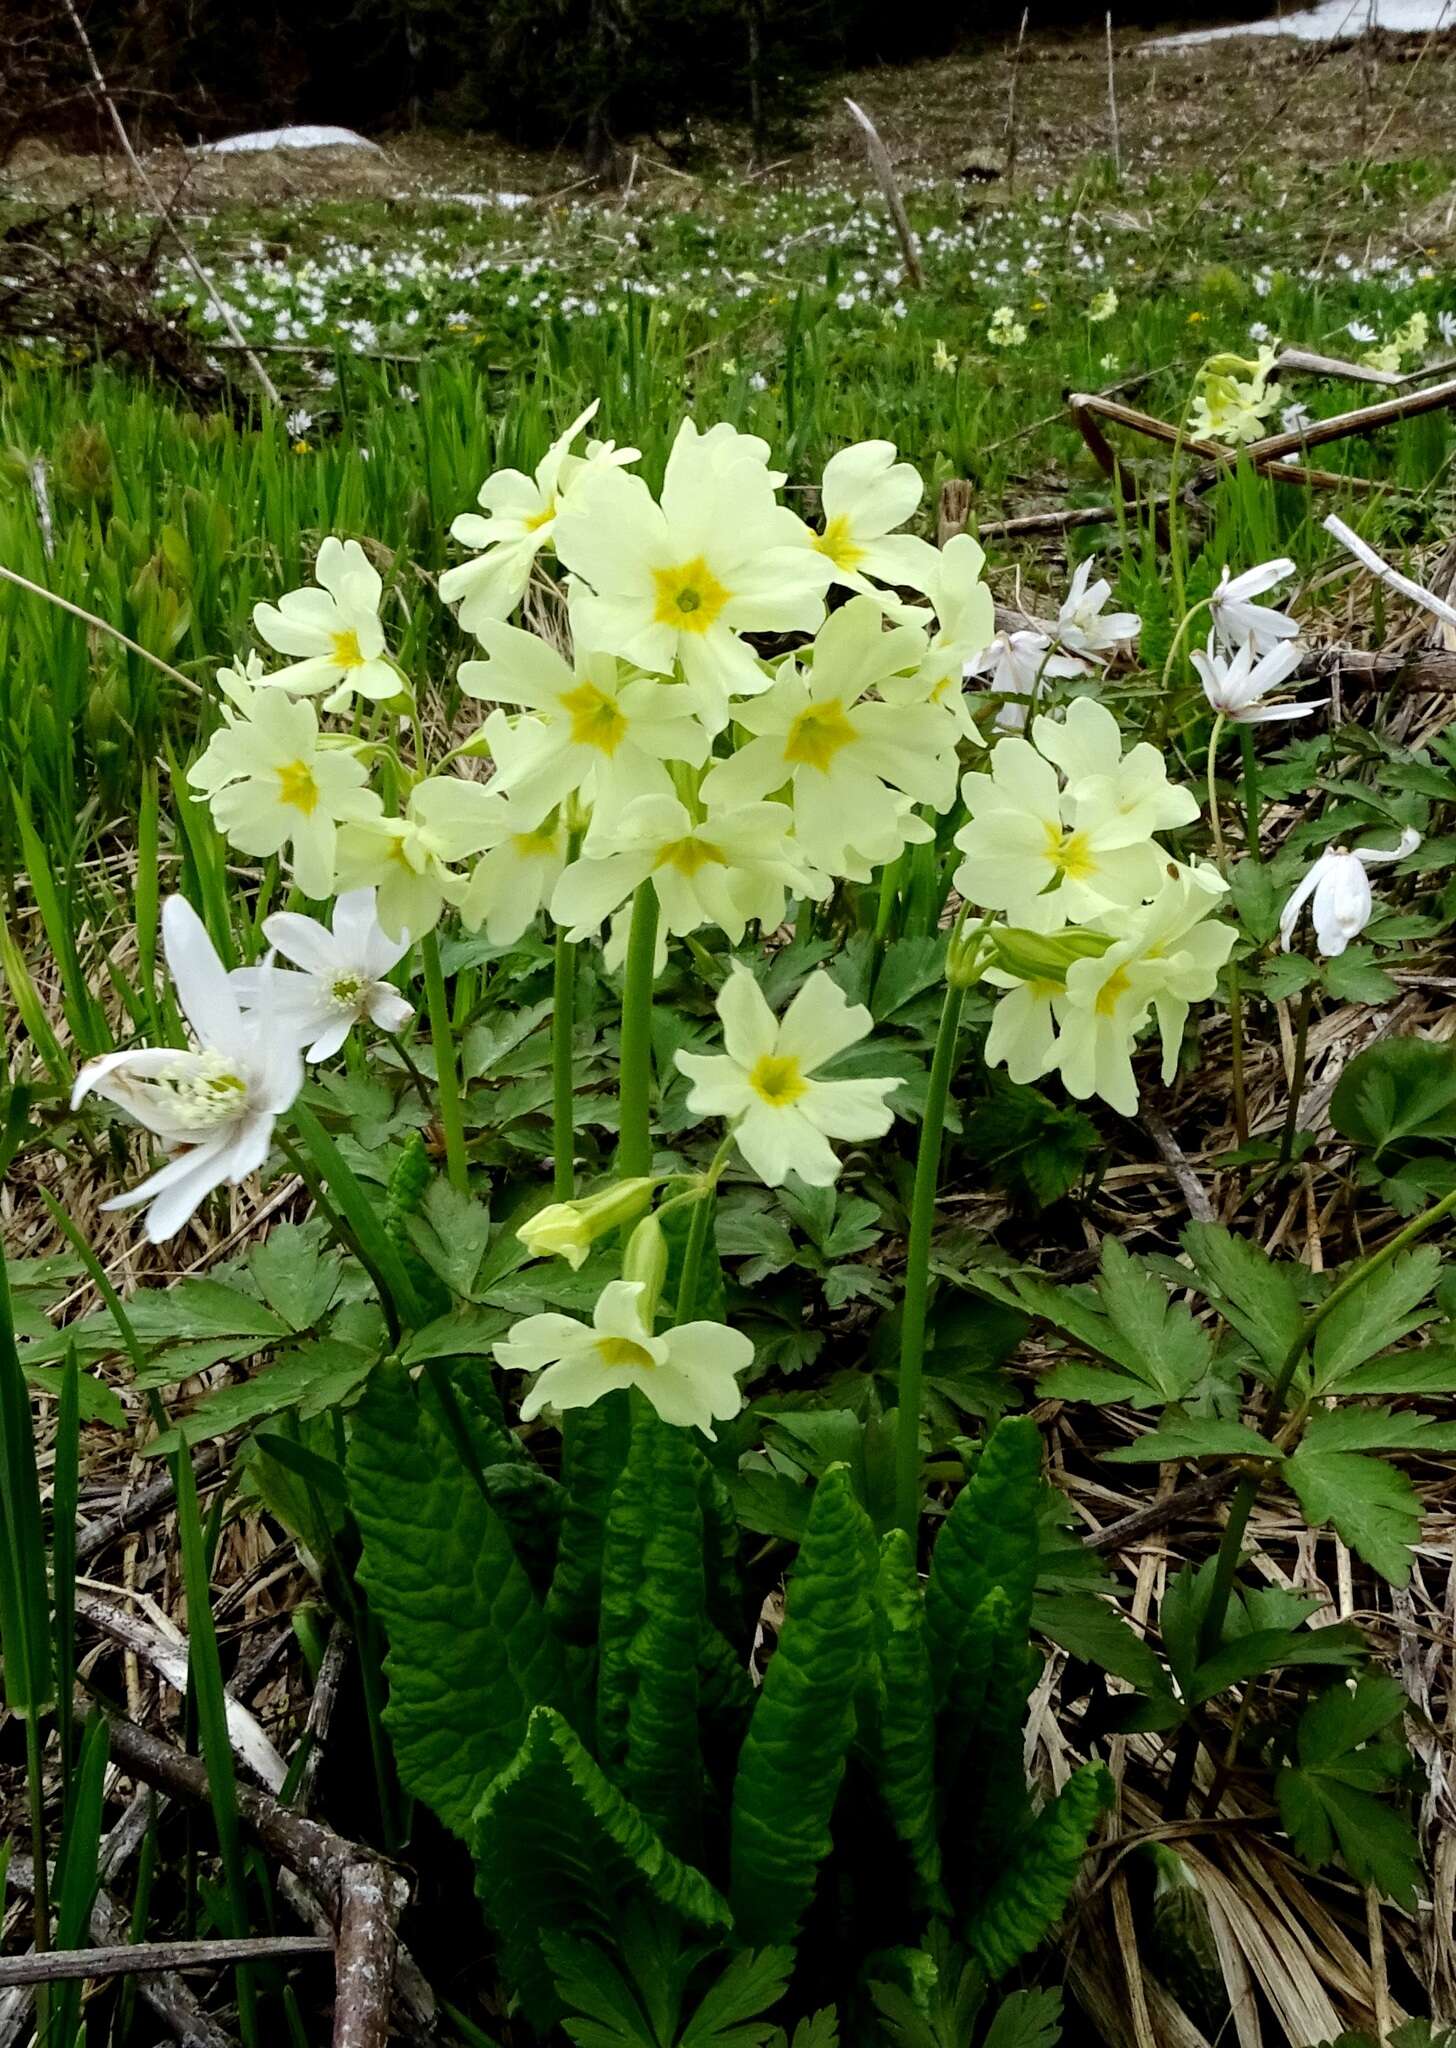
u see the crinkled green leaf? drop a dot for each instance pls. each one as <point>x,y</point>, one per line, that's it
<point>470,1653</point>
<point>593,1451</point>
<point>1028,1899</point>
<point>558,1848</point>
<point>989,1542</point>
<point>651,1631</point>
<point>904,1732</point>
<point>794,1753</point>
<point>296,1275</point>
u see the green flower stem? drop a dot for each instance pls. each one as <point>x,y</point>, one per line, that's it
<point>1165,685</point>
<point>704,1199</point>
<point>1213,739</point>
<point>563,1027</point>
<point>1296,1079</point>
<point>447,1079</point>
<point>1236,1054</point>
<point>634,1091</point>
<point>917,1263</point>
<point>40,1896</point>
<point>1251,789</point>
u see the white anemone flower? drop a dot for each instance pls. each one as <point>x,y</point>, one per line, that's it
<point>1013,665</point>
<point>1339,883</point>
<point>849,761</point>
<point>689,1374</point>
<point>1082,627</point>
<point>334,629</point>
<point>865,494</point>
<point>595,733</point>
<point>271,783</point>
<point>1237,685</point>
<point>733,867</point>
<point>1238,620</point>
<point>342,979</point>
<point>764,1081</point>
<point>520,519</point>
<point>678,582</point>
<point>215,1104</point>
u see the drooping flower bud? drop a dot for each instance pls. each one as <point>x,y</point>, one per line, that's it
<point>568,1230</point>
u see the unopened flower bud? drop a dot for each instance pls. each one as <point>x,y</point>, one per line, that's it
<point>1045,956</point>
<point>568,1230</point>
<point>645,1260</point>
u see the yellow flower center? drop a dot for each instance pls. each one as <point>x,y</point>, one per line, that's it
<point>346,989</point>
<point>837,541</point>
<point>618,1352</point>
<point>817,735</point>
<point>347,651</point>
<point>1070,854</point>
<point>1111,993</point>
<point>690,856</point>
<point>297,788</point>
<point>689,596</point>
<point>939,690</point>
<point>595,719</point>
<point>535,845</point>
<point>536,520</point>
<point>777,1080</point>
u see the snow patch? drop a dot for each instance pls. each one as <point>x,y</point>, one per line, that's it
<point>1329,21</point>
<point>305,137</point>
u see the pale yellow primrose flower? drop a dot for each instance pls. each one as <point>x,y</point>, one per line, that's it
<point>1005,330</point>
<point>848,761</point>
<point>342,979</point>
<point>271,783</point>
<point>1027,835</point>
<point>334,629</point>
<point>764,1082</point>
<point>1103,306</point>
<point>1164,957</point>
<point>597,733</point>
<point>689,1374</point>
<point>733,867</point>
<point>520,520</point>
<point>865,494</point>
<point>1231,408</point>
<point>412,860</point>
<point>678,582</point>
<point>966,623</point>
<point>1086,744</point>
<point>217,1103</point>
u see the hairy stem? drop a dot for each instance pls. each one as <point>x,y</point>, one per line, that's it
<point>563,1027</point>
<point>447,1078</point>
<point>1296,1079</point>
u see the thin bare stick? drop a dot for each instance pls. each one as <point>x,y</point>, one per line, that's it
<point>42,496</point>
<point>1112,101</point>
<point>1010,151</point>
<point>142,1958</point>
<point>102,626</point>
<point>364,1971</point>
<point>884,171</point>
<point>225,312</point>
<point>1312,363</point>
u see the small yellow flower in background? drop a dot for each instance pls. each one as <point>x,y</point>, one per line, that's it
<point>1103,306</point>
<point>943,360</point>
<point>302,447</point>
<point>1038,305</point>
<point>1386,358</point>
<point>1110,364</point>
<point>1005,330</point>
<point>763,1082</point>
<point>1194,319</point>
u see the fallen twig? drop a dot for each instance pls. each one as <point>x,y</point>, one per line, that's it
<point>143,1958</point>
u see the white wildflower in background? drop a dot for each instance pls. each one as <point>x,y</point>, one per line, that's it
<point>1360,330</point>
<point>298,422</point>
<point>1016,665</point>
<point>1237,619</point>
<point>215,1104</point>
<point>689,1374</point>
<point>764,1081</point>
<point>1339,884</point>
<point>334,629</point>
<point>1446,328</point>
<point>1237,685</point>
<point>342,979</point>
<point>1082,627</point>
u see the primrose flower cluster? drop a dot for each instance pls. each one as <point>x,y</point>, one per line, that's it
<point>720,709</point>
